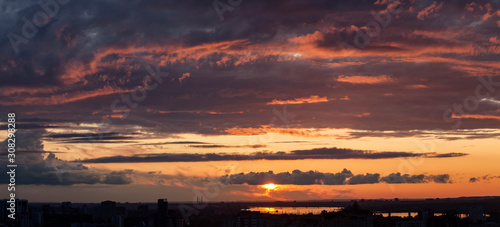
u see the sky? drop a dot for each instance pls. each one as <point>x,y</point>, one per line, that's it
<point>133,101</point>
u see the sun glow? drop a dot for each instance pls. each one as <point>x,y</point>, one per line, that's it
<point>269,186</point>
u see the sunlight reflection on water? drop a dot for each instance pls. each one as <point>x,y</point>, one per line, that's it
<point>294,210</point>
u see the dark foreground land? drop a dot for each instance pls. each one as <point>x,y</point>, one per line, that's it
<point>466,211</point>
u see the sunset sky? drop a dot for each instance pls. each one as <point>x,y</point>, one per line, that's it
<point>138,100</point>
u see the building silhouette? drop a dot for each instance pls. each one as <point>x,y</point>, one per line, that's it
<point>367,213</point>
<point>21,215</point>
<point>162,213</point>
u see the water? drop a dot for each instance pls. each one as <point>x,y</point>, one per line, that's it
<point>413,214</point>
<point>396,214</point>
<point>294,210</point>
<point>318,210</point>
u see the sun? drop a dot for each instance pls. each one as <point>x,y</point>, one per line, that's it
<point>270,186</point>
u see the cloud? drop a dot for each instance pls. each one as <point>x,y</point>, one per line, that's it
<point>486,178</point>
<point>430,11</point>
<point>365,79</point>
<point>228,146</point>
<point>345,177</point>
<point>285,52</point>
<point>35,168</point>
<point>343,153</point>
<point>369,178</point>
<point>438,134</point>
<point>416,86</point>
<point>397,178</point>
<point>192,112</point>
<point>495,40</point>
<point>297,177</point>
<point>31,140</point>
<point>184,76</point>
<point>441,178</point>
<point>311,99</point>
<point>175,142</point>
<point>449,155</point>
<point>225,74</point>
<point>318,153</point>
<point>477,116</point>
<point>105,137</point>
<point>266,129</point>
<point>118,177</point>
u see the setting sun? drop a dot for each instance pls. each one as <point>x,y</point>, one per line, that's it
<point>269,186</point>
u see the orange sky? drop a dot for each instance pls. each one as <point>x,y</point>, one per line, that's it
<point>327,100</point>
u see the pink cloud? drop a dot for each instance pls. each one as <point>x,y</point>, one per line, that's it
<point>430,11</point>
<point>311,99</point>
<point>365,79</point>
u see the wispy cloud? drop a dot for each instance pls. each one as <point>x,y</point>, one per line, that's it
<point>228,146</point>
<point>365,79</point>
<point>485,178</point>
<point>311,99</point>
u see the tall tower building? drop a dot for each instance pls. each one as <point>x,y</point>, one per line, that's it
<point>21,215</point>
<point>108,210</point>
<point>163,213</point>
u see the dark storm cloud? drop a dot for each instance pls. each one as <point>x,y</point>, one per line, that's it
<point>30,140</point>
<point>53,171</point>
<point>92,52</point>
<point>319,153</point>
<point>344,177</point>
<point>36,168</point>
